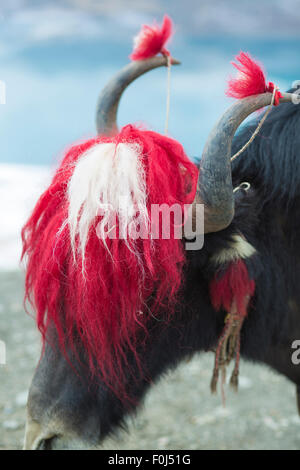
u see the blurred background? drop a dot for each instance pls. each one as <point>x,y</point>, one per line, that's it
<point>55,56</point>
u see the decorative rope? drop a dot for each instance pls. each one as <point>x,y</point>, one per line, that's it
<point>168,94</point>
<point>237,154</point>
<point>228,347</point>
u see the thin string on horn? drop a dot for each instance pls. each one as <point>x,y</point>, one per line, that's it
<point>237,154</point>
<point>168,93</point>
<point>151,41</point>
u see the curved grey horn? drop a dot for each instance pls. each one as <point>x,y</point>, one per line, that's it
<point>214,188</point>
<point>108,102</point>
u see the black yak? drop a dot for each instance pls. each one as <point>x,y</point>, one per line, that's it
<point>259,223</point>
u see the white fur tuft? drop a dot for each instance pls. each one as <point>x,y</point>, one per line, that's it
<point>139,38</point>
<point>108,180</point>
<point>237,248</point>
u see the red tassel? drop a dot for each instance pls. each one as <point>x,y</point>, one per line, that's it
<point>251,79</point>
<point>234,285</point>
<point>232,292</point>
<point>151,40</point>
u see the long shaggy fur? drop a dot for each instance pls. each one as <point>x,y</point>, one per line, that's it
<point>108,304</point>
<point>89,195</point>
<point>271,163</point>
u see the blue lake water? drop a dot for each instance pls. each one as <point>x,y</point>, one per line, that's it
<point>52,89</point>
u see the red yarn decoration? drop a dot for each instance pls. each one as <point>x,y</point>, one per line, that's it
<point>107,306</point>
<point>234,285</point>
<point>251,79</point>
<point>151,40</point>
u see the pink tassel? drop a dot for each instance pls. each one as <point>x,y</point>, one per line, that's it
<point>251,79</point>
<point>151,40</point>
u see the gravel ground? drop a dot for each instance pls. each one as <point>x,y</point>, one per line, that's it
<point>179,413</point>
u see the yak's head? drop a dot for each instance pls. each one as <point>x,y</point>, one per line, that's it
<point>113,305</point>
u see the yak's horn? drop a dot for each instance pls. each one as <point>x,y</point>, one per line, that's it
<point>107,107</point>
<point>215,184</point>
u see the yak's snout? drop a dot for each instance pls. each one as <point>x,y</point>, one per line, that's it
<point>62,408</point>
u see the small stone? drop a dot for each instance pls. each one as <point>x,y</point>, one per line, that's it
<point>245,382</point>
<point>163,441</point>
<point>11,425</point>
<point>21,398</point>
<point>15,307</point>
<point>270,423</point>
<point>7,410</point>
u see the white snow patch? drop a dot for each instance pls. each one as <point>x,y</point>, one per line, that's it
<point>20,188</point>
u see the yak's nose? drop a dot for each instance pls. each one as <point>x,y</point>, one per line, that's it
<point>62,410</point>
<point>37,437</point>
<point>58,424</point>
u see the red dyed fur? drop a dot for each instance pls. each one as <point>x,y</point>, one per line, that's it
<point>234,284</point>
<point>251,79</point>
<point>151,40</point>
<point>107,307</point>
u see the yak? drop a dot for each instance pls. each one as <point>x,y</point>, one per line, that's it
<point>70,406</point>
